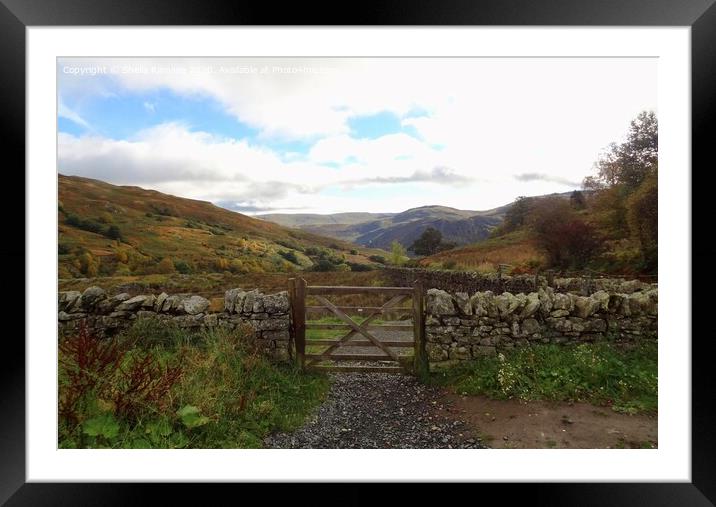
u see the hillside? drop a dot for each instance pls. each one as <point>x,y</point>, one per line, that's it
<point>108,230</point>
<point>379,230</point>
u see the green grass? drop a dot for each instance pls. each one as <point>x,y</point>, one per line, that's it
<point>228,394</point>
<point>602,374</point>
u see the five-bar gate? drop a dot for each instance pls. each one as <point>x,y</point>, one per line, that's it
<point>366,346</point>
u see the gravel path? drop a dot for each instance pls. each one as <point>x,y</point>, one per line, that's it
<point>379,411</point>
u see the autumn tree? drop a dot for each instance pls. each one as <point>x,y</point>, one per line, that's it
<point>642,216</point>
<point>566,240</point>
<point>397,253</point>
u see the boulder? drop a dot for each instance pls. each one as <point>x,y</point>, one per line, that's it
<point>91,296</point>
<point>440,303</point>
<point>193,305</point>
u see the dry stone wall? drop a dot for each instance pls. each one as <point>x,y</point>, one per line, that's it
<point>470,281</point>
<point>462,326</point>
<point>266,314</point>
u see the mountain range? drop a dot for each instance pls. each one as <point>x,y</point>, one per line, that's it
<point>379,230</point>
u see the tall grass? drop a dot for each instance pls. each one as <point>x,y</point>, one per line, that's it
<point>210,390</point>
<point>600,373</point>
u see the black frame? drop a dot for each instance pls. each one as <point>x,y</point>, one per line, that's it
<point>700,15</point>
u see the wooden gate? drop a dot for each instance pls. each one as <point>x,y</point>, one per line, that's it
<point>387,355</point>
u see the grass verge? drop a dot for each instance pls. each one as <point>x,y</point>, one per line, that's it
<point>165,388</point>
<point>599,373</point>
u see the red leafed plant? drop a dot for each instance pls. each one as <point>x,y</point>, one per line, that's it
<point>144,384</point>
<point>86,362</point>
<point>130,382</point>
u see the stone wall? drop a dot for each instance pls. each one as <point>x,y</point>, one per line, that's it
<point>266,314</point>
<point>470,281</point>
<point>461,326</point>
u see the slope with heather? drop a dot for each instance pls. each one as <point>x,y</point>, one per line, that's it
<point>109,230</point>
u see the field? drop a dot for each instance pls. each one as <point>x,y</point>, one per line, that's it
<point>515,249</point>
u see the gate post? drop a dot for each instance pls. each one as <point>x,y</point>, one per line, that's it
<point>420,355</point>
<point>297,295</point>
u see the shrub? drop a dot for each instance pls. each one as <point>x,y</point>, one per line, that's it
<point>354,251</point>
<point>88,265</point>
<point>449,264</point>
<point>183,267</point>
<point>378,258</point>
<point>165,266</point>
<point>358,267</point>
<point>63,249</point>
<point>113,232</point>
<point>324,265</point>
<point>289,256</point>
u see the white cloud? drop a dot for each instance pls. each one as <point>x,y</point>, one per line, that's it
<point>490,121</point>
<point>65,112</point>
<point>171,158</point>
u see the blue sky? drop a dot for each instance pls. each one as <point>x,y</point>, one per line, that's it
<point>331,135</point>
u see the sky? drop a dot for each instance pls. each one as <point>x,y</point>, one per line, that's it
<point>327,135</point>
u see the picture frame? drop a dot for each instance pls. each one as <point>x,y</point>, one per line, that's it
<point>17,15</point>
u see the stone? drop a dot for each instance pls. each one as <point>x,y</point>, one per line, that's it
<point>171,303</point>
<point>193,305</point>
<point>270,324</point>
<point>462,300</point>
<point>149,301</point>
<point>276,303</point>
<point>63,316</point>
<point>563,302</point>
<point>258,306</point>
<point>507,303</point>
<point>451,321</point>
<point>66,300</point>
<point>530,326</point>
<point>131,304</point>
<point>159,302</point>
<point>431,320</point>
<point>532,304</point>
<point>460,352</point>
<point>440,302</point>
<point>585,306</point>
<point>483,350</point>
<point>230,299</point>
<point>435,352</point>
<point>91,296</point>
<point>596,325</point>
<point>559,313</point>
<point>248,301</point>
<point>602,299</point>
